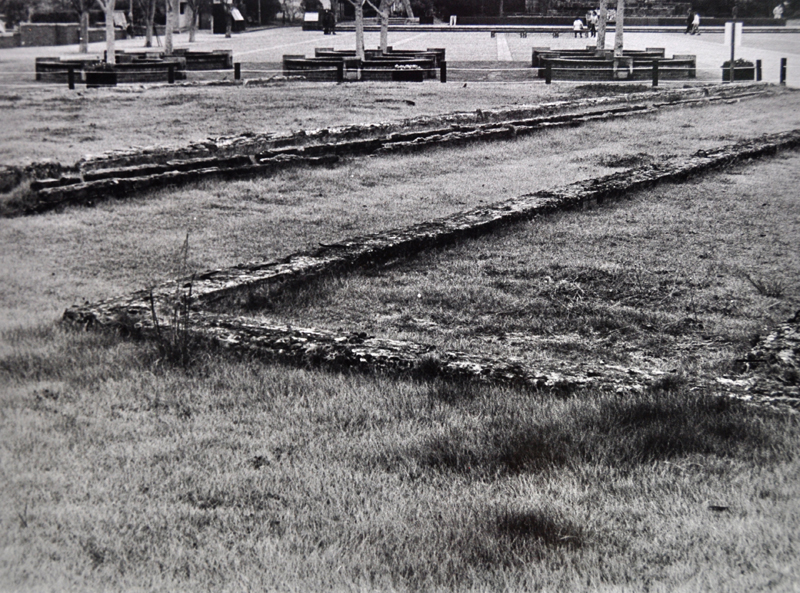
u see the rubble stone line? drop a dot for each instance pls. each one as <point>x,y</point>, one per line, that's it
<point>96,185</point>
<point>303,346</point>
<point>267,153</point>
<point>255,143</point>
<point>370,354</point>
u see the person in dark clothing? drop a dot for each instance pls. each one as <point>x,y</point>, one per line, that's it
<point>689,22</point>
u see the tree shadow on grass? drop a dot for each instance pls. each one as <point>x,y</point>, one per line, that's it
<point>623,432</point>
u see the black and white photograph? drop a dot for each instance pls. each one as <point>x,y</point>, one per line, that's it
<point>399,296</point>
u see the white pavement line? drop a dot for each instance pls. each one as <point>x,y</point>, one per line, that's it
<point>273,47</point>
<point>503,51</point>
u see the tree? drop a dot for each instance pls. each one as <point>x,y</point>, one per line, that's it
<point>194,6</point>
<point>82,8</point>
<point>148,8</point>
<point>383,13</point>
<point>228,18</point>
<point>108,10</point>
<point>602,19</point>
<point>289,10</point>
<point>359,7</point>
<point>15,12</point>
<point>169,26</point>
<point>619,24</point>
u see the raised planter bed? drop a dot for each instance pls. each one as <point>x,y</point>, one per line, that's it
<point>742,70</point>
<point>125,71</point>
<point>55,69</point>
<point>317,69</point>
<point>101,77</point>
<point>408,75</point>
<point>634,64</point>
<point>376,66</point>
<point>218,59</point>
<point>151,70</point>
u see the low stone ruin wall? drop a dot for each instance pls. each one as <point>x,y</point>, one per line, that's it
<point>122,174</point>
<point>136,313</point>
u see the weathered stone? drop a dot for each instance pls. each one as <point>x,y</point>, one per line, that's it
<point>135,312</point>
<point>99,183</point>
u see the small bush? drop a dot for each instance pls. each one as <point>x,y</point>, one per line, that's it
<point>740,63</point>
<point>768,287</point>
<point>175,339</point>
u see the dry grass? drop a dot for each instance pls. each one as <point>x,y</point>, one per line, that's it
<point>56,123</point>
<point>660,282</point>
<point>51,261</point>
<point>121,475</point>
<point>119,472</point>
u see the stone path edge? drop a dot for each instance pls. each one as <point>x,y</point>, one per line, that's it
<point>136,313</point>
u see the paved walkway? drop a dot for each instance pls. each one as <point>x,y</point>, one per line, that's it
<point>267,46</point>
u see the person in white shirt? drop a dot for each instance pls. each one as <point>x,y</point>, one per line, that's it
<point>577,27</point>
<point>696,24</point>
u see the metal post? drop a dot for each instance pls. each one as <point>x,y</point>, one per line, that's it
<point>733,46</point>
<point>655,72</point>
<point>443,71</point>
<point>783,71</point>
<point>171,73</point>
<point>758,70</point>
<point>71,78</point>
<point>237,71</point>
<point>340,72</point>
<point>548,73</point>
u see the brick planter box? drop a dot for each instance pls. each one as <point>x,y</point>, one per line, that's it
<point>99,78</point>
<point>739,73</point>
<point>408,75</point>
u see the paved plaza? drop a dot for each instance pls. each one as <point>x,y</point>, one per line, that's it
<point>260,51</point>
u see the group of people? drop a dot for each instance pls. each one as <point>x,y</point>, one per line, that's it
<point>692,23</point>
<point>328,22</point>
<point>591,31</point>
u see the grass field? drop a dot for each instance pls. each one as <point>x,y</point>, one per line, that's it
<point>122,472</point>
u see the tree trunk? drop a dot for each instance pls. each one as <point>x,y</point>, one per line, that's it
<point>359,6</point>
<point>149,17</point>
<point>194,21</point>
<point>409,10</point>
<point>502,11</point>
<point>228,21</point>
<point>111,58</point>
<point>168,28</point>
<point>601,25</point>
<point>384,14</point>
<point>620,23</point>
<point>84,34</point>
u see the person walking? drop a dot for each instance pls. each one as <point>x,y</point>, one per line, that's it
<point>696,24</point>
<point>592,20</point>
<point>689,21</point>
